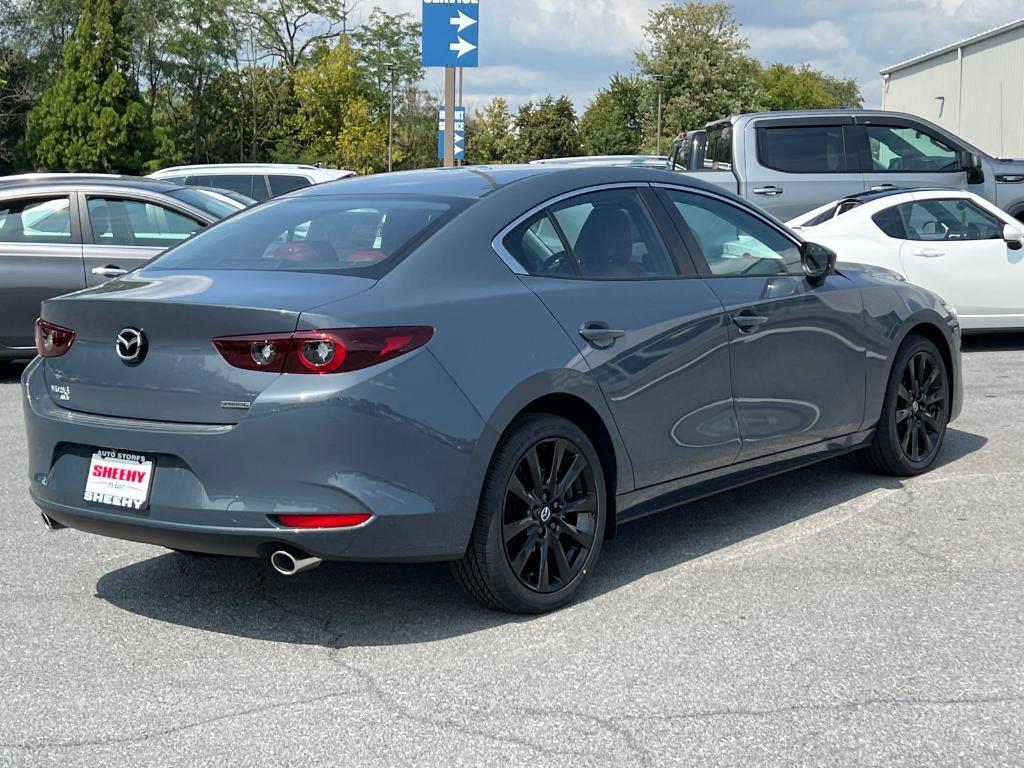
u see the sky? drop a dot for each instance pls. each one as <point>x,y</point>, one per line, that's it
<point>530,48</point>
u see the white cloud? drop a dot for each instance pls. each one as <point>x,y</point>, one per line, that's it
<point>529,48</point>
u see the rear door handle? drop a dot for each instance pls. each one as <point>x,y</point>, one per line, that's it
<point>929,253</point>
<point>600,333</point>
<point>768,191</point>
<point>110,271</point>
<point>882,187</point>
<point>747,321</point>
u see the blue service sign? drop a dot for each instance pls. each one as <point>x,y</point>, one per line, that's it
<point>451,33</point>
<point>460,133</point>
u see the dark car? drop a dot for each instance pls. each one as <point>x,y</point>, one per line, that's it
<point>490,366</point>
<point>65,232</point>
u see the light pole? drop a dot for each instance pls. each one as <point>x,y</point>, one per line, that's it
<point>660,80</point>
<point>391,113</point>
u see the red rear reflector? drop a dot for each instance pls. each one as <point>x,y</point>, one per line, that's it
<point>322,521</point>
<point>52,340</point>
<point>331,351</point>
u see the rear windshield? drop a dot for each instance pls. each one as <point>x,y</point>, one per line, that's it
<point>336,234</point>
<point>213,204</point>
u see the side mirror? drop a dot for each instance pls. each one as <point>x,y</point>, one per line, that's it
<point>818,262</point>
<point>1014,237</point>
<point>971,163</point>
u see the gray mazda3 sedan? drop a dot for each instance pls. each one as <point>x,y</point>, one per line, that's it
<point>490,366</point>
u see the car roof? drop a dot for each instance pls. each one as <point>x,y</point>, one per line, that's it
<point>477,181</point>
<point>870,196</point>
<point>264,167</point>
<point>75,180</point>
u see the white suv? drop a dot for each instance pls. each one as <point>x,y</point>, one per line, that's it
<point>256,180</point>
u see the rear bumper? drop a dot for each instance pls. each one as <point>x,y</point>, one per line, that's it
<point>398,442</point>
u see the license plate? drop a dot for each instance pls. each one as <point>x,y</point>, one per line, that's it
<point>119,479</point>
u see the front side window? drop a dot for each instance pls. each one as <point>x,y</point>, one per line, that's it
<point>949,220</point>
<point>602,235</point>
<point>733,242</point>
<point>136,223</point>
<point>901,150</point>
<point>803,149</point>
<point>333,234</point>
<point>36,220</point>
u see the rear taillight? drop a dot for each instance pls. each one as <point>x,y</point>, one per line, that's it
<point>323,521</point>
<point>52,340</point>
<point>335,351</point>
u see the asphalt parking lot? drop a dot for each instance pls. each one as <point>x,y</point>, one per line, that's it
<point>827,617</point>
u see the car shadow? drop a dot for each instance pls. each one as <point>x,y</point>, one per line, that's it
<point>348,604</point>
<point>993,342</point>
<point>10,373</point>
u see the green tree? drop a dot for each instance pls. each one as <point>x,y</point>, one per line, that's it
<point>292,31</point>
<point>547,129</point>
<point>490,135</point>
<point>615,120</point>
<point>198,50</point>
<point>787,87</point>
<point>390,38</point>
<point>92,118</point>
<point>336,122</point>
<point>699,50</point>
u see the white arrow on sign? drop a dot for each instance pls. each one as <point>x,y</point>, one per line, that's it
<point>463,47</point>
<point>462,21</point>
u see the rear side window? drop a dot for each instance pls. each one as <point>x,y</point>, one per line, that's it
<point>602,235</point>
<point>279,185</point>
<point>718,154</point>
<point>891,223</point>
<point>336,234</point>
<point>250,185</point>
<point>36,220</point>
<point>803,149</point>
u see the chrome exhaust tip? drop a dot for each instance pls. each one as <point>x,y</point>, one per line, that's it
<point>289,564</point>
<point>51,524</point>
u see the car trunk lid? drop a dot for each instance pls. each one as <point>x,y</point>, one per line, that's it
<point>180,377</point>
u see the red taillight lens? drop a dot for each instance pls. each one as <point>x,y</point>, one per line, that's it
<point>322,521</point>
<point>52,340</point>
<point>334,351</point>
<point>256,353</point>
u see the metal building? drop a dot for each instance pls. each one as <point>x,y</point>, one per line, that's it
<point>974,88</point>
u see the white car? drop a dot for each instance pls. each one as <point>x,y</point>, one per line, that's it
<point>259,181</point>
<point>953,243</point>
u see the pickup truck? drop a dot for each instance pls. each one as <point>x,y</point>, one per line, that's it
<point>791,162</point>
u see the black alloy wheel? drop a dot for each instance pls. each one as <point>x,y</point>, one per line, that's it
<point>921,406</point>
<point>912,426</point>
<point>550,515</point>
<point>541,519</point>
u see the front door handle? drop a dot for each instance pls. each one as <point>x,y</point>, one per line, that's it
<point>882,187</point>
<point>769,191</point>
<point>599,333</point>
<point>747,321</point>
<point>110,271</point>
<point>929,253</point>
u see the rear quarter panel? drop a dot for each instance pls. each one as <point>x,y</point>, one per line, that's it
<point>493,336</point>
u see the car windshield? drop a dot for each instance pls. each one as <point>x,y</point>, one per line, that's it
<point>214,203</point>
<point>334,234</point>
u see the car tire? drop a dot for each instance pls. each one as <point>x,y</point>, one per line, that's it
<point>915,412</point>
<point>541,520</point>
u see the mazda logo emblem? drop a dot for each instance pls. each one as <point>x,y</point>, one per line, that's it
<point>131,346</point>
